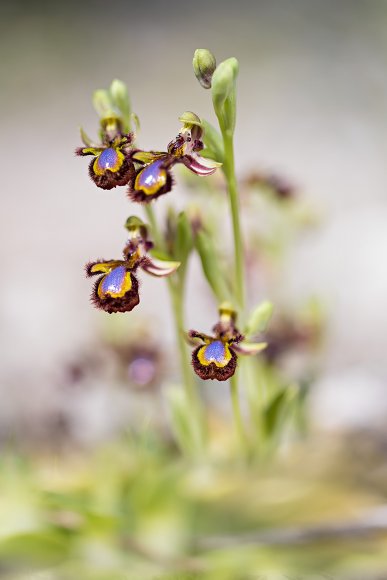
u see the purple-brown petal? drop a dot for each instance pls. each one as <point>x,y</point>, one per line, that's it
<point>200,165</point>
<point>159,268</point>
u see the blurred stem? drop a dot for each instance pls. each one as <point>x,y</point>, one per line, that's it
<point>229,172</point>
<point>176,287</point>
<point>156,234</point>
<point>237,411</point>
<point>177,294</point>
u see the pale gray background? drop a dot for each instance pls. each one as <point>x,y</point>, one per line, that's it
<point>312,103</point>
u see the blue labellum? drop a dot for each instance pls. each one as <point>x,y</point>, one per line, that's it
<point>107,159</point>
<point>112,283</point>
<point>150,175</point>
<point>215,351</point>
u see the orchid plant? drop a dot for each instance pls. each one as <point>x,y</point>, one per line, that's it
<point>118,161</point>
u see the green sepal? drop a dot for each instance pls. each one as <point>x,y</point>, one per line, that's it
<point>147,156</point>
<point>102,103</point>
<point>189,119</point>
<point>134,223</point>
<point>85,138</point>
<point>120,98</point>
<point>210,264</point>
<point>258,319</point>
<point>161,255</point>
<point>136,121</point>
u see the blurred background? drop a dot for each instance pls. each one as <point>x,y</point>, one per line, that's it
<point>312,107</point>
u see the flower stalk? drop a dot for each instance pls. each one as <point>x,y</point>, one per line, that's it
<point>176,288</point>
<point>229,172</point>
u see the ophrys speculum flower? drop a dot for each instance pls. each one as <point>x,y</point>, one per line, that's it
<point>111,164</point>
<point>217,356</point>
<point>116,289</point>
<point>154,178</point>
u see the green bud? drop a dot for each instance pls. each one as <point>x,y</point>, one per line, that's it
<point>204,65</point>
<point>259,319</point>
<point>224,93</point>
<point>120,98</point>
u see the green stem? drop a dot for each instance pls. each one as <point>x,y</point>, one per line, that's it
<point>176,292</point>
<point>237,410</point>
<point>157,238</point>
<point>229,172</point>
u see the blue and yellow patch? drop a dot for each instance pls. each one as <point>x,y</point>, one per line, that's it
<point>216,352</point>
<point>152,178</point>
<point>109,159</point>
<point>115,284</point>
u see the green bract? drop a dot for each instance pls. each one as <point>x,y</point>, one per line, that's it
<point>224,93</point>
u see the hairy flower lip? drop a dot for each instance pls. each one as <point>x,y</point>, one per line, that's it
<point>120,172</point>
<point>116,289</point>
<point>221,365</point>
<point>154,176</point>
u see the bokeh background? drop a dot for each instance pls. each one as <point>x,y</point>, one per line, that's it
<point>312,105</point>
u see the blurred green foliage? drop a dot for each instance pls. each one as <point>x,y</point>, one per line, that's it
<point>137,510</point>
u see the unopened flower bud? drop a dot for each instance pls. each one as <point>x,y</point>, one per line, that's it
<point>204,65</point>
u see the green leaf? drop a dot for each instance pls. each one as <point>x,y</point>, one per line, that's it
<point>184,242</point>
<point>210,263</point>
<point>213,143</point>
<point>259,319</point>
<point>184,423</point>
<point>279,407</point>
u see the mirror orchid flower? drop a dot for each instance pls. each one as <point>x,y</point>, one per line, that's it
<point>111,165</point>
<point>154,177</point>
<point>116,288</point>
<point>216,356</point>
